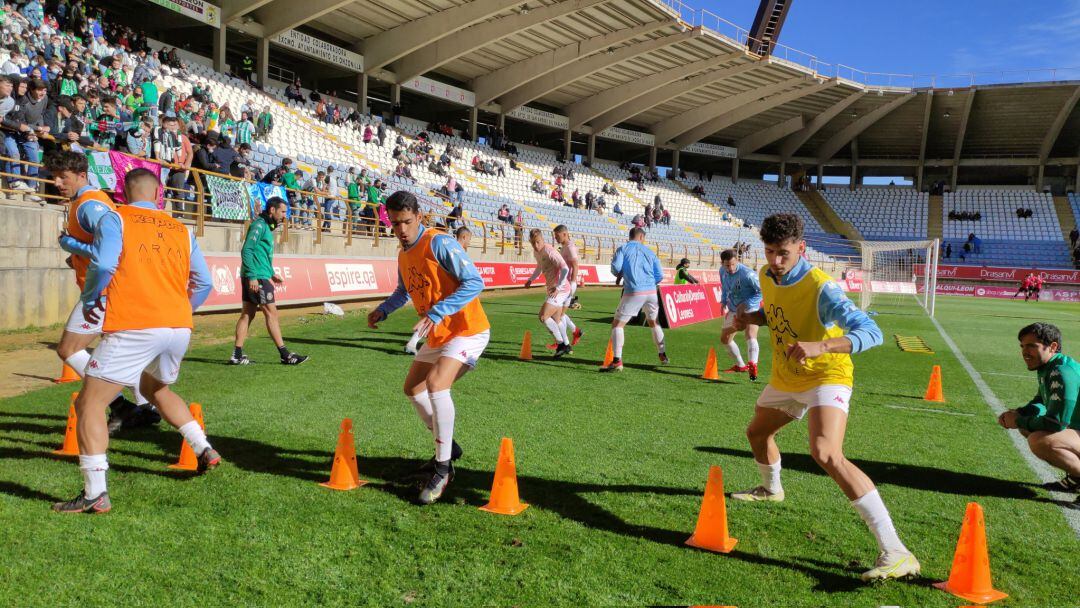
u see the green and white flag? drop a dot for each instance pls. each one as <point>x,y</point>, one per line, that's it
<point>101,172</point>
<point>229,198</point>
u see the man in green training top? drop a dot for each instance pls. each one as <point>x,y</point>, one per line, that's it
<point>1050,421</point>
<point>257,280</point>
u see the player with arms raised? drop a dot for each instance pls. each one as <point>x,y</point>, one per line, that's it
<point>814,328</point>
<point>557,280</point>
<point>739,288</point>
<point>435,273</point>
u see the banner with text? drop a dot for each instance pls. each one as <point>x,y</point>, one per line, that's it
<point>686,304</point>
<point>320,49</point>
<point>999,273</point>
<point>196,9</point>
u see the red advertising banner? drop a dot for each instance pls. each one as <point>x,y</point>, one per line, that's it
<point>998,273</point>
<point>996,291</point>
<point>687,304</point>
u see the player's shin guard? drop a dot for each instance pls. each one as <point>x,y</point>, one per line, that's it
<point>194,436</point>
<point>78,361</point>
<point>733,350</point>
<point>617,338</point>
<point>658,338</point>
<point>93,467</point>
<point>443,407</point>
<point>752,349</point>
<point>873,512</point>
<point>556,330</point>
<point>422,402</point>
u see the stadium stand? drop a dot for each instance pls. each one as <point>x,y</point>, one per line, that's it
<point>1006,238</point>
<point>882,213</point>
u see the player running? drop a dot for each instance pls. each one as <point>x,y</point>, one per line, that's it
<point>88,205</point>
<point>814,328</point>
<point>444,285</point>
<point>740,288</point>
<point>156,277</point>
<point>641,273</point>
<point>1050,421</point>
<point>1035,289</point>
<point>556,273</point>
<point>570,255</point>
<point>1025,287</point>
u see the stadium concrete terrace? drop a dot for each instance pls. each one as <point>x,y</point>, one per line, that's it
<point>671,75</point>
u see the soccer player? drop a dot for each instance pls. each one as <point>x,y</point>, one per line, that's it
<point>88,205</point>
<point>443,285</point>
<point>740,287</point>
<point>1025,287</point>
<point>1036,287</point>
<point>570,255</point>
<point>156,277</point>
<point>556,273</point>
<point>463,236</point>
<point>815,328</point>
<point>257,280</point>
<point>641,273</point>
<point>1050,421</point>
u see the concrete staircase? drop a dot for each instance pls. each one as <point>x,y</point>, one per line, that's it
<point>1065,216</point>
<point>935,226</point>
<point>819,208</point>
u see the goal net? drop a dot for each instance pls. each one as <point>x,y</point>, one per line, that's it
<point>896,274</point>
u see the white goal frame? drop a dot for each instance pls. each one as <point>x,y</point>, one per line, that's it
<point>880,275</point>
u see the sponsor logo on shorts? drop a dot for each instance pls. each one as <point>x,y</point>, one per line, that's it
<point>839,399</point>
<point>85,326</point>
<point>93,364</point>
<point>351,277</point>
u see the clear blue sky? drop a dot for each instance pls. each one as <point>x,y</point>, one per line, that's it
<point>928,36</point>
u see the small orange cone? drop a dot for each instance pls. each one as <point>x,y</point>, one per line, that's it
<point>504,490</point>
<point>188,460</point>
<point>68,375</point>
<point>344,475</point>
<point>609,355</point>
<point>711,532</point>
<point>933,390</point>
<point>71,438</point>
<point>711,372</point>
<point>526,347</point>
<point>970,574</point>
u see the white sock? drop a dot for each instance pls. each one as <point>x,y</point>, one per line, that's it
<point>658,338</point>
<point>93,468</point>
<point>194,435</point>
<point>414,341</point>
<point>770,476</point>
<point>733,350</point>
<point>442,404</point>
<point>139,398</point>
<point>556,330</point>
<point>876,516</point>
<point>78,361</point>
<point>568,326</point>
<point>422,403</point>
<point>752,349</point>
<point>617,336</point>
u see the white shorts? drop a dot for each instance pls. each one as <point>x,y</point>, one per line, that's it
<point>560,298</point>
<point>121,357</point>
<point>77,323</point>
<point>729,319</point>
<point>631,305</point>
<point>466,349</point>
<point>797,404</point>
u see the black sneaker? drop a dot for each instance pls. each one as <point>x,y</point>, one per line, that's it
<point>429,466</point>
<point>120,410</point>
<point>663,359</point>
<point>616,366</point>
<point>563,349</point>
<point>1065,484</point>
<point>82,504</point>
<point>293,359</point>
<point>208,460</point>
<point>434,488</point>
<point>241,360</point>
<point>144,415</point>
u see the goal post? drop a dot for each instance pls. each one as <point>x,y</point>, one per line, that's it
<point>896,273</point>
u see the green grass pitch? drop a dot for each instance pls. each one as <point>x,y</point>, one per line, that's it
<point>614,467</point>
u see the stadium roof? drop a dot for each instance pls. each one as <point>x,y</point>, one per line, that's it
<point>650,65</point>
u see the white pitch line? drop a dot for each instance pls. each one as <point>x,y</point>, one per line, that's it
<point>1042,470</point>
<point>928,409</point>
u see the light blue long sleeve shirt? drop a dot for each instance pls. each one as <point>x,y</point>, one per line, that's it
<point>88,216</point>
<point>105,257</point>
<point>639,267</point>
<point>453,259</point>
<point>740,287</point>
<point>834,308</point>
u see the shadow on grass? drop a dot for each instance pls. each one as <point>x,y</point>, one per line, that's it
<point>34,416</point>
<point>931,479</point>
<point>33,377</point>
<point>20,491</point>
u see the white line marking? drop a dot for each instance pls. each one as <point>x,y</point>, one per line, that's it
<point>927,409</point>
<point>1042,470</point>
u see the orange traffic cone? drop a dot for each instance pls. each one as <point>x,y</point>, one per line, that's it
<point>711,372</point>
<point>71,438</point>
<point>526,347</point>
<point>504,490</point>
<point>188,460</point>
<point>933,390</point>
<point>609,355</point>
<point>344,475</point>
<point>68,375</point>
<point>711,532</point>
<point>970,574</point>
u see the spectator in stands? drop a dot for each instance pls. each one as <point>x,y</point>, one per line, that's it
<point>617,210</point>
<point>245,130</point>
<point>575,198</point>
<point>22,128</point>
<point>948,251</point>
<point>368,134</point>
<point>557,195</point>
<point>1074,236</point>
<point>309,202</point>
<point>665,217</point>
<point>264,124</point>
<point>503,215</point>
<point>519,228</point>
<point>138,139</point>
<point>656,201</point>
<point>380,132</point>
<point>293,92</point>
<point>590,200</point>
<point>537,186</point>
<point>730,200</point>
<point>454,217</point>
